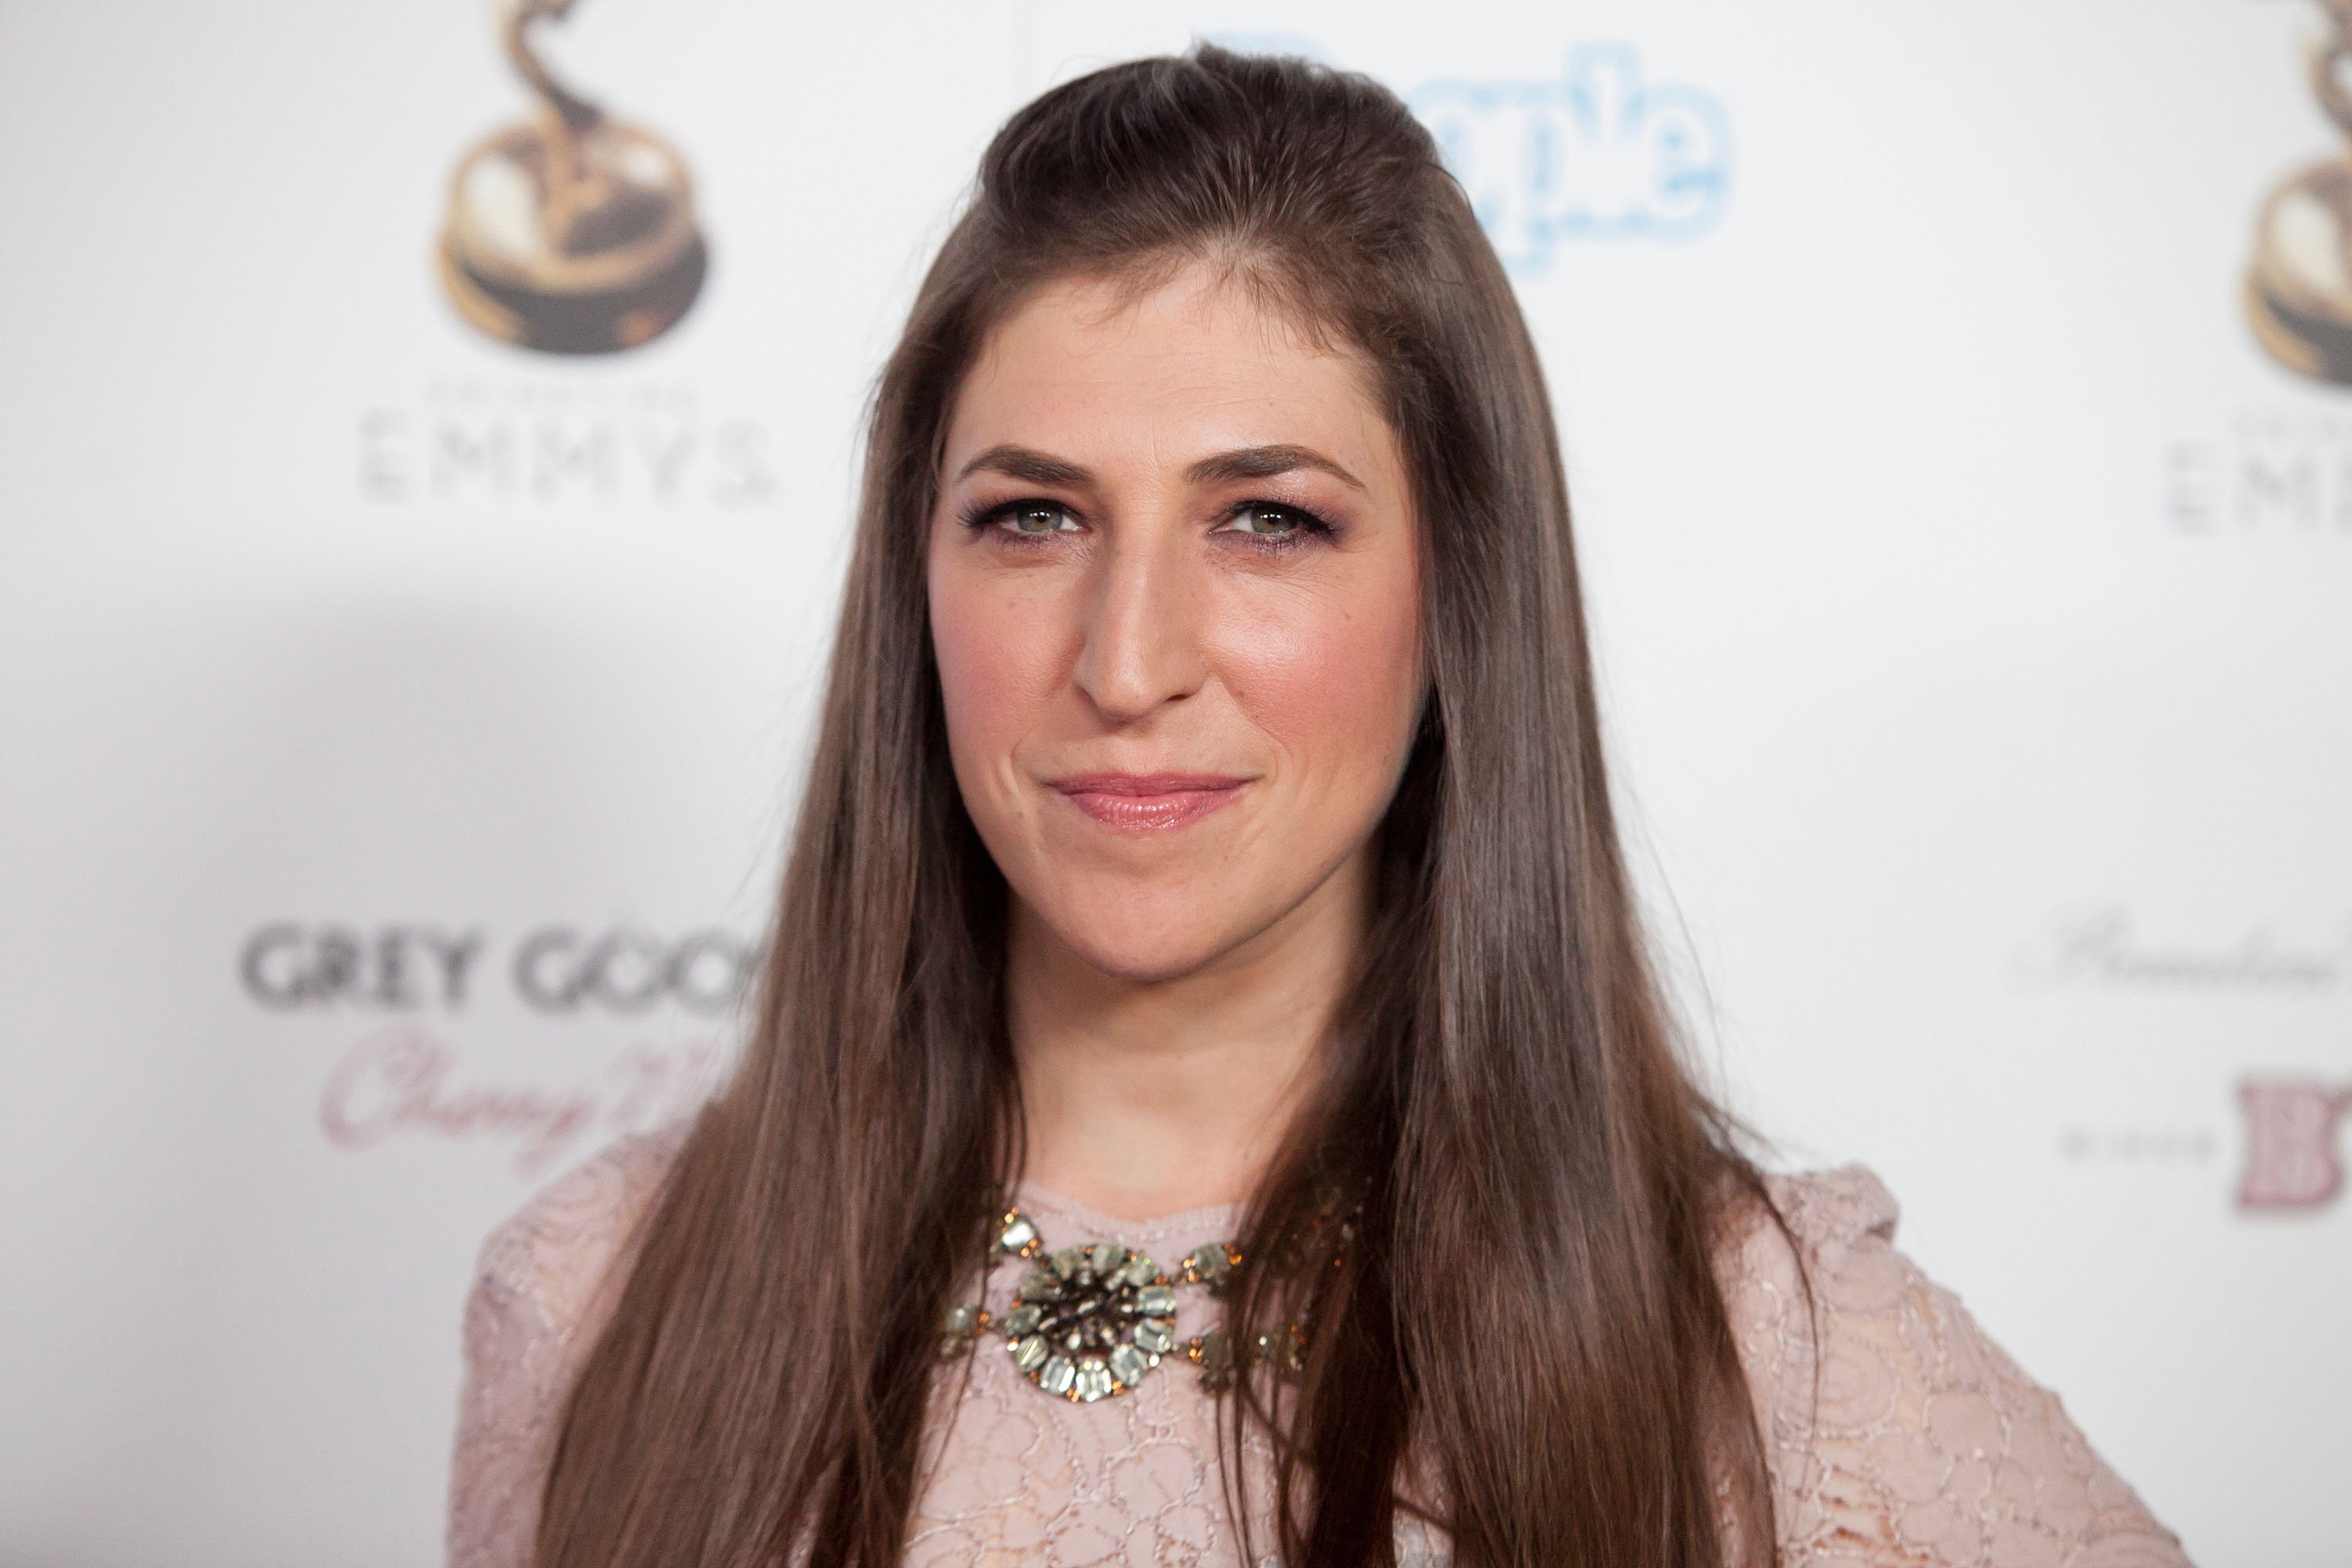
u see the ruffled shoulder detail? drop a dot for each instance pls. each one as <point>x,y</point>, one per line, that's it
<point>542,1288</point>
<point>1836,1208</point>
<point>1899,1433</point>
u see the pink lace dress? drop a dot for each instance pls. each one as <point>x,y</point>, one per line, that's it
<point>1929,1448</point>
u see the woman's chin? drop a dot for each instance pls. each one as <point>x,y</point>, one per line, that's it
<point>1154,942</point>
<point>1150,960</point>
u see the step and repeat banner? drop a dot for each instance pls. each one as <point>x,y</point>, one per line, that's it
<point>426,442</point>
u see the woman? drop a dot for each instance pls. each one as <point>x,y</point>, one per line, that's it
<point>1209,1099</point>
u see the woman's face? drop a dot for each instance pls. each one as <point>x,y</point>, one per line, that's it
<point>1174,599</point>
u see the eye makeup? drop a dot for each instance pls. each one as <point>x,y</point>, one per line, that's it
<point>1305,527</point>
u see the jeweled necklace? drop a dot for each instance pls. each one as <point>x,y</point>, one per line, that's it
<point>1090,1321</point>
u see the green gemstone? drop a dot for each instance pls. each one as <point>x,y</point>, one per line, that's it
<point>1017,1234</point>
<point>1217,1352</point>
<point>1029,1354</point>
<point>1105,1258</point>
<point>1067,1261</point>
<point>1040,1286</point>
<point>1058,1373</point>
<point>1022,1319</point>
<point>1156,1335</point>
<point>1094,1379</point>
<point>1140,1270</point>
<point>964,1320</point>
<point>1156,1300</point>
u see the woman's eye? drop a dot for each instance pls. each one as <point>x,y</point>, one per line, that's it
<point>1035,521</point>
<point>1267,521</point>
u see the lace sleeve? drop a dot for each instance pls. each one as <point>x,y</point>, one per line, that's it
<point>1925,1446</point>
<point>537,1302</point>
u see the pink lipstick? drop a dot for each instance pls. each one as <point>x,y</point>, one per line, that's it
<point>1149,803</point>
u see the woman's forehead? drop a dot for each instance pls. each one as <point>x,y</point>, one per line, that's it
<point>1200,357</point>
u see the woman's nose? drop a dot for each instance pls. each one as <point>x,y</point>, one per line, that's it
<point>1142,645</point>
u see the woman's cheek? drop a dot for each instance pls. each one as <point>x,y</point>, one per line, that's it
<point>990,651</point>
<point>1332,682</point>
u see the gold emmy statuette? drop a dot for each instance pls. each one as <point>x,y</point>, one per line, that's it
<point>572,232</point>
<point>2299,288</point>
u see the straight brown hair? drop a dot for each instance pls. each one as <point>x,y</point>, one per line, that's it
<point>1526,1312</point>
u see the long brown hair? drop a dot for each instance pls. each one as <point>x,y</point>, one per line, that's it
<point>1526,1304</point>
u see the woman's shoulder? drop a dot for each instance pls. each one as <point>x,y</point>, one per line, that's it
<point>1820,1224</point>
<point>1897,1430</point>
<point>541,1292</point>
<point>556,1249</point>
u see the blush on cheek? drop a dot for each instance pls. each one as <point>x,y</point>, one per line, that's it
<point>1332,683</point>
<point>997,659</point>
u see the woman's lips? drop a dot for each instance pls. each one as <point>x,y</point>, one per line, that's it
<point>1149,803</point>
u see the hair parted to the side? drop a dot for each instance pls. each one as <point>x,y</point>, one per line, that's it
<point>1529,1315</point>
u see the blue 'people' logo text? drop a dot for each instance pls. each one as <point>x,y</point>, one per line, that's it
<point>1597,154</point>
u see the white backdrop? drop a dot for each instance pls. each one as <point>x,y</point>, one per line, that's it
<point>383,706</point>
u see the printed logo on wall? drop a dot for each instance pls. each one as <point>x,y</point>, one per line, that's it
<point>2294,1140</point>
<point>2292,1122</point>
<point>1602,153</point>
<point>572,232</point>
<point>410,984</point>
<point>2299,285</point>
<point>576,237</point>
<point>2287,471</point>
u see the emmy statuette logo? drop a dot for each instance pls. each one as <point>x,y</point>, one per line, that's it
<point>572,232</point>
<point>2299,286</point>
<point>2282,470</point>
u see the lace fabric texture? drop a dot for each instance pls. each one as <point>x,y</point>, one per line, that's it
<point>1927,1447</point>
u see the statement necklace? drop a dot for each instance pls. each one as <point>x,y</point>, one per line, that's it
<point>1092,1321</point>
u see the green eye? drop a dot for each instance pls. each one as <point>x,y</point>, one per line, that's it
<point>1266,520</point>
<point>1040,520</point>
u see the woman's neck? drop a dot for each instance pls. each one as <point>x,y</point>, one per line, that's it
<point>1145,1098</point>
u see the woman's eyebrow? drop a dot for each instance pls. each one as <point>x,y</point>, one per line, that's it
<point>1033,467</point>
<point>1264,462</point>
<point>1026,464</point>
